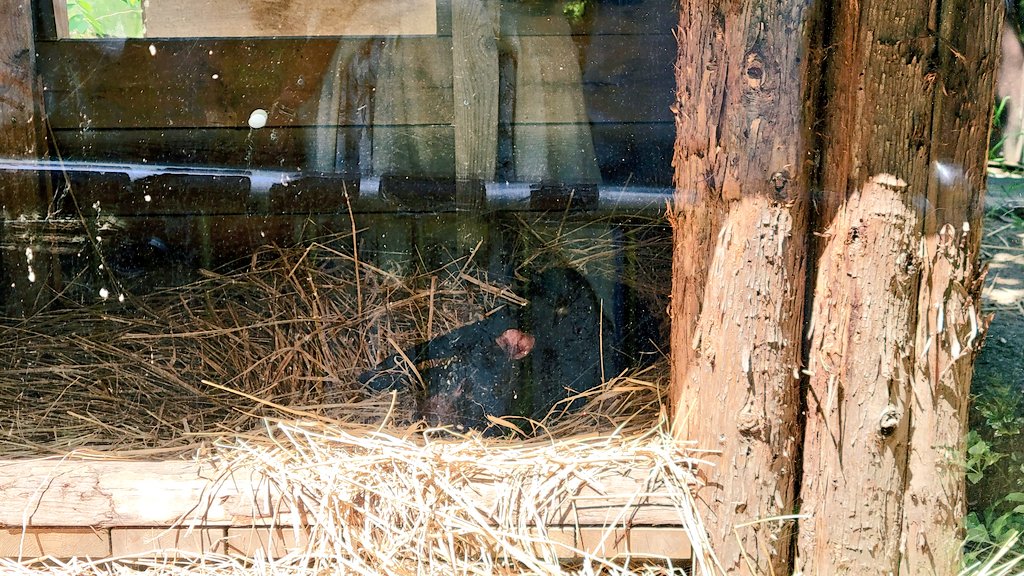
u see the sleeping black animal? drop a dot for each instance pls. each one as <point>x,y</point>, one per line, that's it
<point>524,362</point>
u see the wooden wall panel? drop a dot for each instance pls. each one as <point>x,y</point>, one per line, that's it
<point>637,541</point>
<point>272,542</point>
<point>121,85</point>
<point>276,148</point>
<point>181,83</point>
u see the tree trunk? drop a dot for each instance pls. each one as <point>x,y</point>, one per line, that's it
<point>740,223</point>
<point>894,326</point>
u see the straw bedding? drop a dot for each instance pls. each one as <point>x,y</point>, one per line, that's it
<point>258,368</point>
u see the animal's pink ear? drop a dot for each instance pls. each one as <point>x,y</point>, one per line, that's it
<point>515,343</point>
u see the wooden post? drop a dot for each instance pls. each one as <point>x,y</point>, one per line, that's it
<point>741,217</point>
<point>25,267</point>
<point>948,331</point>
<point>895,319</point>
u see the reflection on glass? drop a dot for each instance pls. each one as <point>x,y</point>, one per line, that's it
<point>464,208</point>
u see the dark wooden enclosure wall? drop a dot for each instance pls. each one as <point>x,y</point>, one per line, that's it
<point>510,94</point>
<point>187,100</point>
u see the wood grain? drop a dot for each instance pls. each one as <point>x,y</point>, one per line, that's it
<point>55,542</point>
<point>25,270</point>
<point>475,85</point>
<point>165,542</point>
<point>742,211</point>
<point>117,494</point>
<point>232,18</point>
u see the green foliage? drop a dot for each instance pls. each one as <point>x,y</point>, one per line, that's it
<point>574,9</point>
<point>991,530</point>
<point>979,457</point>
<point>995,469</point>
<point>995,149</point>
<point>105,18</point>
<point>1001,407</point>
<point>996,561</point>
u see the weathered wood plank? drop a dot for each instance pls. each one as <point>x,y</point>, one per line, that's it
<point>104,494</point>
<point>265,541</point>
<point>660,542</point>
<point>18,105</point>
<point>623,83</point>
<point>273,149</point>
<point>475,82</point>
<point>191,18</point>
<point>102,85</point>
<point>165,542</point>
<point>181,83</point>
<point>250,541</point>
<point>153,494</point>
<point>60,18</point>
<point>26,267</point>
<point>185,105</point>
<point>414,86</point>
<point>599,18</point>
<point>54,542</point>
<point>637,541</point>
<point>552,137</point>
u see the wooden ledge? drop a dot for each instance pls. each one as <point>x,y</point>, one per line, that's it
<point>101,508</point>
<point>264,541</point>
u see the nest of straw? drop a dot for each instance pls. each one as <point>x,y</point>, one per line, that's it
<point>286,334</point>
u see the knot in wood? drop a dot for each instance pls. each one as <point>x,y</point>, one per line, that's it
<point>748,424</point>
<point>947,235</point>
<point>889,421</point>
<point>754,70</point>
<point>779,179</point>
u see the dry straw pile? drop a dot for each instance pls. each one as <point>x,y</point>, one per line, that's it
<point>257,369</point>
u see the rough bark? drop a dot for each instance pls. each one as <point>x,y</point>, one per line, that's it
<point>894,321</point>
<point>948,329</point>
<point>740,222</point>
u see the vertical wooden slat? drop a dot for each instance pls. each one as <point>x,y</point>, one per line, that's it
<point>475,84</point>
<point>60,18</point>
<point>25,264</point>
<point>551,129</point>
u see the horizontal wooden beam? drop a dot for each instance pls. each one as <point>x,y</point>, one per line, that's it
<point>263,541</point>
<point>191,18</point>
<point>106,494</point>
<point>217,83</point>
<point>75,508</point>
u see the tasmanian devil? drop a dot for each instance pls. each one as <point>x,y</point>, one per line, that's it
<point>473,371</point>
<point>556,347</point>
